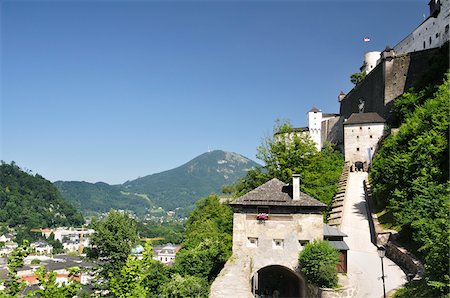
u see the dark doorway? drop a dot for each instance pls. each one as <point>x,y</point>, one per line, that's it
<point>278,278</point>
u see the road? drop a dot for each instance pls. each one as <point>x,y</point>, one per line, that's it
<point>364,264</point>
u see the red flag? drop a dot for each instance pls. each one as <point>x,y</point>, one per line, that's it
<point>366,39</point>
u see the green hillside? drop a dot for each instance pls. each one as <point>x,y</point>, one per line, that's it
<point>182,186</point>
<point>94,198</point>
<point>176,188</point>
<point>30,201</point>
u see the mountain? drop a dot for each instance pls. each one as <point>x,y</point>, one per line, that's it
<point>30,201</point>
<point>182,186</point>
<point>94,198</point>
<point>176,188</point>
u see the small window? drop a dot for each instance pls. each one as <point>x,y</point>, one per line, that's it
<point>368,127</point>
<point>360,127</point>
<point>371,148</point>
<point>252,242</point>
<point>357,137</point>
<point>424,45</point>
<point>430,40</point>
<point>278,243</point>
<point>303,242</point>
<point>371,136</point>
<point>357,149</point>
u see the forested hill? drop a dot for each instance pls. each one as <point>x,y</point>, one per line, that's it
<point>30,201</point>
<point>176,188</point>
<point>182,186</point>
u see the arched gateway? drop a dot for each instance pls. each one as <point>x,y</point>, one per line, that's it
<point>278,281</point>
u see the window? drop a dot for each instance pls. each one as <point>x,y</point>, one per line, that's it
<point>424,45</point>
<point>278,243</point>
<point>357,137</point>
<point>357,149</point>
<point>303,242</point>
<point>360,127</point>
<point>430,40</point>
<point>252,242</point>
<point>371,136</point>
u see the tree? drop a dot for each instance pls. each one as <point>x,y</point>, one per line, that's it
<point>13,287</point>
<point>287,152</point>
<point>358,77</point>
<point>50,288</point>
<point>207,245</point>
<point>318,261</point>
<point>185,287</point>
<point>140,277</point>
<point>112,242</point>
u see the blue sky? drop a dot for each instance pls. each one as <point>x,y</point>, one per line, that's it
<point>113,90</point>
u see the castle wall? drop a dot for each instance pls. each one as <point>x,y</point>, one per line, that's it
<point>389,79</point>
<point>432,33</point>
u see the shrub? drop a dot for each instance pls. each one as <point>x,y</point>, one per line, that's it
<point>318,261</point>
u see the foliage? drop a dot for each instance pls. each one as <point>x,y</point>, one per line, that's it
<point>100,197</point>
<point>115,236</point>
<point>13,287</point>
<point>207,245</point>
<point>185,287</point>
<point>29,201</point>
<point>288,152</point>
<point>50,288</point>
<point>172,231</point>
<point>140,277</point>
<point>410,180</point>
<point>318,261</point>
<point>357,77</point>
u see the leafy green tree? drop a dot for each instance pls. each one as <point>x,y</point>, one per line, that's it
<point>185,287</point>
<point>56,244</point>
<point>287,152</point>
<point>49,288</point>
<point>207,245</point>
<point>140,277</point>
<point>357,77</point>
<point>318,261</point>
<point>114,237</point>
<point>14,287</point>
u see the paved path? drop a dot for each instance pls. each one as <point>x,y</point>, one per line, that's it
<point>364,265</point>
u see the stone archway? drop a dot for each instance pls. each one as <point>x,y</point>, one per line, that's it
<point>280,278</point>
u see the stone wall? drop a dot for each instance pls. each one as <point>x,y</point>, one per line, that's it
<point>360,139</point>
<point>388,80</point>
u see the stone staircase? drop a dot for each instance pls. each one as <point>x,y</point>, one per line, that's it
<point>337,204</point>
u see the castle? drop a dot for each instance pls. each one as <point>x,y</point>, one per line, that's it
<point>365,110</point>
<point>265,252</point>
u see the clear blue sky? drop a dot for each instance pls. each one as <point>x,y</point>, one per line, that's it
<point>112,90</point>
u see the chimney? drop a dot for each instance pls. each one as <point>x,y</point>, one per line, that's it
<point>296,187</point>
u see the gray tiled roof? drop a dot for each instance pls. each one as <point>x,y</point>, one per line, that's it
<point>339,245</point>
<point>361,118</point>
<point>332,231</point>
<point>276,193</point>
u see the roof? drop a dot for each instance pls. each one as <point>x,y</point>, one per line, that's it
<point>332,231</point>
<point>339,245</point>
<point>314,109</point>
<point>329,115</point>
<point>361,118</point>
<point>276,193</point>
